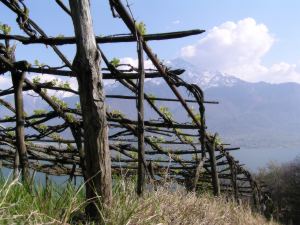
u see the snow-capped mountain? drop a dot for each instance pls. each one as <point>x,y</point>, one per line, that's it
<point>250,115</point>
<point>255,113</point>
<point>204,78</point>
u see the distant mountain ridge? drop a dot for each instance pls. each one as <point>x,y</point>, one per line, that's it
<point>204,78</point>
<point>249,114</point>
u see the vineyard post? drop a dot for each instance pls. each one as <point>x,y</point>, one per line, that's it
<point>141,132</point>
<point>86,64</point>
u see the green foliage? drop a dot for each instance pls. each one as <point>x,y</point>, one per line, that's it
<point>42,127</point>
<point>55,136</point>
<point>70,147</point>
<point>152,96</point>
<point>141,26</point>
<point>116,113</point>
<point>65,204</point>
<point>5,29</point>
<point>39,111</point>
<point>134,155</point>
<point>11,134</point>
<point>6,117</point>
<point>54,82</point>
<point>39,206</point>
<point>70,118</point>
<point>175,157</point>
<point>197,116</point>
<point>188,139</point>
<point>115,62</point>
<point>78,106</point>
<point>33,120</point>
<point>218,140</point>
<point>118,156</point>
<point>156,139</point>
<point>60,102</point>
<point>26,12</point>
<point>36,80</point>
<point>38,64</point>
<point>282,183</point>
<point>65,85</point>
<point>165,110</point>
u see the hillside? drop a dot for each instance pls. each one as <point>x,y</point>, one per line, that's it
<point>248,114</point>
<point>57,205</point>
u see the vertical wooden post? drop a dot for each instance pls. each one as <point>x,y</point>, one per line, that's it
<point>1,174</point>
<point>197,173</point>
<point>255,195</point>
<point>16,165</point>
<point>47,181</point>
<point>202,140</point>
<point>18,80</point>
<point>233,171</point>
<point>21,151</point>
<point>86,64</point>
<point>214,172</point>
<point>140,106</point>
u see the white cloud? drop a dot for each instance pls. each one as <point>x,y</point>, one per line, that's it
<point>134,62</point>
<point>238,48</point>
<point>5,82</point>
<point>48,78</point>
<point>176,22</point>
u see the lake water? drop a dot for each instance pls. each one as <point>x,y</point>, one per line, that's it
<point>253,158</point>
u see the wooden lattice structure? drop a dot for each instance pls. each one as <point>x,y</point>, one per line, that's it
<point>187,154</point>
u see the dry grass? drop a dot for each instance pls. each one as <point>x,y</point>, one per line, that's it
<point>165,207</point>
<point>58,205</point>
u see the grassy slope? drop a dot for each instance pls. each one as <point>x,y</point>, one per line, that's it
<point>65,205</point>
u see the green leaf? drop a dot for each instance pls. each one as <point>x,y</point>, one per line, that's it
<point>42,127</point>
<point>166,112</point>
<point>36,80</point>
<point>70,118</point>
<point>5,29</point>
<point>115,62</point>
<point>61,103</point>
<point>152,96</point>
<point>78,106</point>
<point>39,111</point>
<point>141,27</point>
<point>116,113</point>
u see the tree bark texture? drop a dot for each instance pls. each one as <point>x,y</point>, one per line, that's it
<point>87,67</point>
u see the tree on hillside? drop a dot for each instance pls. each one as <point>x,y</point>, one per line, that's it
<point>283,184</point>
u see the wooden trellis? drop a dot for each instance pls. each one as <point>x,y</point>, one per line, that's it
<point>186,154</point>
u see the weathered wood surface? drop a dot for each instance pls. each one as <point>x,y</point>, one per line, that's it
<point>86,64</point>
<point>100,40</point>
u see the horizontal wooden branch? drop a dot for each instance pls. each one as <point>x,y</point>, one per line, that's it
<point>158,99</point>
<point>99,39</point>
<point>154,124</point>
<point>25,66</point>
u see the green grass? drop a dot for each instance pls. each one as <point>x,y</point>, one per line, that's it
<point>65,205</point>
<point>19,203</point>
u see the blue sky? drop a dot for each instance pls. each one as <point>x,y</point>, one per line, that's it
<point>256,40</point>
